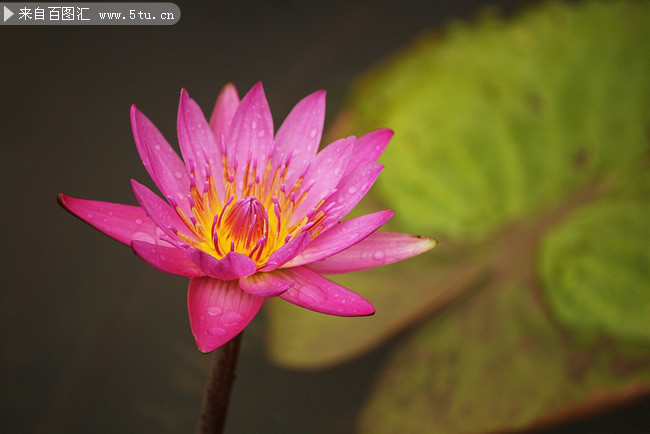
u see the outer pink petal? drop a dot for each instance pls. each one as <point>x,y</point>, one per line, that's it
<point>313,291</point>
<point>125,223</point>
<point>223,112</point>
<point>168,259</point>
<point>161,161</point>
<point>251,132</point>
<point>350,191</point>
<point>378,249</point>
<point>232,266</point>
<point>264,284</point>
<point>218,311</point>
<point>368,148</point>
<point>287,252</point>
<point>323,175</point>
<point>160,212</point>
<point>300,134</point>
<point>198,143</point>
<point>340,237</point>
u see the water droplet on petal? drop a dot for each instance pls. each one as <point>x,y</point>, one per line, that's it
<point>89,216</point>
<point>178,175</point>
<point>231,318</point>
<point>138,221</point>
<point>157,147</point>
<point>214,310</point>
<point>110,213</point>
<point>105,220</point>
<point>260,133</point>
<point>253,125</point>
<point>352,189</point>
<point>313,133</point>
<point>378,255</point>
<point>217,332</point>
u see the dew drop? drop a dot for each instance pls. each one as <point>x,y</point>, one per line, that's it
<point>110,213</point>
<point>260,133</point>
<point>352,189</point>
<point>157,147</point>
<point>178,175</point>
<point>105,220</point>
<point>313,133</point>
<point>253,125</point>
<point>89,216</point>
<point>218,332</point>
<point>231,318</point>
<point>214,310</point>
<point>201,318</point>
<point>378,255</point>
<point>138,221</point>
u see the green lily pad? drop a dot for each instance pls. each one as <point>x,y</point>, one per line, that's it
<point>497,122</point>
<point>497,362</point>
<point>596,269</point>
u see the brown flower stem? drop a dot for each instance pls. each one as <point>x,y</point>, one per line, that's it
<point>217,391</point>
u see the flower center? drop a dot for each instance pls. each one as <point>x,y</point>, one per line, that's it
<point>244,225</point>
<point>257,224</point>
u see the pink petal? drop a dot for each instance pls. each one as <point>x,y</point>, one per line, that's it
<point>223,112</point>
<point>218,311</point>
<point>340,237</point>
<point>125,223</point>
<point>300,134</point>
<point>378,249</point>
<point>198,143</point>
<point>313,291</point>
<point>324,173</point>
<point>251,132</point>
<point>351,190</point>
<point>287,252</point>
<point>168,259</point>
<point>264,284</point>
<point>232,266</point>
<point>165,167</point>
<point>160,212</point>
<point>368,148</point>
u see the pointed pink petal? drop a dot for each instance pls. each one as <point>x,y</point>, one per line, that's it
<point>264,284</point>
<point>251,132</point>
<point>351,190</point>
<point>313,291</point>
<point>368,148</point>
<point>160,212</point>
<point>232,266</point>
<point>167,259</point>
<point>165,167</point>
<point>340,237</point>
<point>323,175</point>
<point>198,143</point>
<point>223,112</point>
<point>124,223</point>
<point>378,249</point>
<point>287,252</point>
<point>300,133</point>
<point>218,311</point>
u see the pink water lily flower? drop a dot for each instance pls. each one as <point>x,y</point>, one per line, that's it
<point>250,215</point>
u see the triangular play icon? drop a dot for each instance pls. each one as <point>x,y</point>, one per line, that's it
<point>8,13</point>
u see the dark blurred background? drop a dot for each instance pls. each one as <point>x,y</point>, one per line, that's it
<point>94,340</point>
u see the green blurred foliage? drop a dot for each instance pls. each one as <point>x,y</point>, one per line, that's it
<point>521,145</point>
